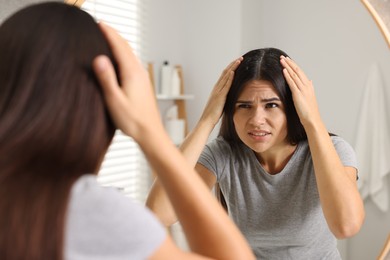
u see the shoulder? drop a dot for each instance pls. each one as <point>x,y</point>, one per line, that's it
<point>219,150</point>
<point>338,140</point>
<point>101,220</point>
<point>216,155</point>
<point>220,146</point>
<point>341,144</point>
<point>345,151</point>
<point>218,143</point>
<point>343,148</point>
<point>89,196</point>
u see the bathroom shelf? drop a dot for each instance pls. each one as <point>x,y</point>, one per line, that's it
<point>179,97</point>
<point>179,100</point>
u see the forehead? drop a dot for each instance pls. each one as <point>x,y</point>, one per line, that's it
<point>260,88</point>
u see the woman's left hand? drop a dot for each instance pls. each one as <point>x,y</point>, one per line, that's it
<point>302,91</point>
<point>216,102</point>
<point>340,199</point>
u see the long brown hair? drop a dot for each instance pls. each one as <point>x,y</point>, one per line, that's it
<point>54,126</point>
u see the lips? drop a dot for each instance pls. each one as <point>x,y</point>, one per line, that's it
<point>259,133</point>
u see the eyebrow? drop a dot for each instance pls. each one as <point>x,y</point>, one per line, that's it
<point>265,100</point>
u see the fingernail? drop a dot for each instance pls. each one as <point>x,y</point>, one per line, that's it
<point>101,63</point>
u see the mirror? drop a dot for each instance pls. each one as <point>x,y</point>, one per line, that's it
<point>335,42</point>
<point>380,11</point>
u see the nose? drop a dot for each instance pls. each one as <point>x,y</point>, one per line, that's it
<point>258,116</point>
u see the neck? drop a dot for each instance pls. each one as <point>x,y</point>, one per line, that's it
<point>275,161</point>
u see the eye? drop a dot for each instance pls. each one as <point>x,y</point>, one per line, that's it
<point>271,105</point>
<point>244,105</point>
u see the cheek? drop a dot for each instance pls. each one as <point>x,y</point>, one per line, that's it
<point>240,117</point>
<point>237,121</point>
<point>239,126</point>
<point>282,122</point>
<point>279,117</point>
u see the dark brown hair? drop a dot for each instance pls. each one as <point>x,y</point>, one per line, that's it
<point>261,64</point>
<point>54,126</point>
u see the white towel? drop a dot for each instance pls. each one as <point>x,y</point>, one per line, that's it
<point>372,144</point>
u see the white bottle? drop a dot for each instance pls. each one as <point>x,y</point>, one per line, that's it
<point>175,84</point>
<point>165,79</point>
<point>174,126</point>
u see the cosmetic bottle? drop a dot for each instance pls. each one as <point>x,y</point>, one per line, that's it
<point>165,79</point>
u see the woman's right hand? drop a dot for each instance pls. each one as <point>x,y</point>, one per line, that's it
<point>134,110</point>
<point>129,95</point>
<point>216,102</point>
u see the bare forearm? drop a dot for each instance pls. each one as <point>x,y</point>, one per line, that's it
<point>193,204</point>
<point>196,208</point>
<point>159,203</point>
<point>196,140</point>
<point>191,148</point>
<point>340,199</point>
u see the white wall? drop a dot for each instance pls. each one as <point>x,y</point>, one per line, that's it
<point>334,41</point>
<point>203,36</point>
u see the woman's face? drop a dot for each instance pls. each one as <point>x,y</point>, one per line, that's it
<point>259,118</point>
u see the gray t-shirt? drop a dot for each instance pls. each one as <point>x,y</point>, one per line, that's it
<point>280,215</point>
<point>103,224</point>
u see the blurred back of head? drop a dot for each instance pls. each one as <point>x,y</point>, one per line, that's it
<point>54,126</point>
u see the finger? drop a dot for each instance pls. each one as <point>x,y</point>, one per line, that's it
<point>229,82</point>
<point>290,81</point>
<point>292,75</point>
<point>106,76</point>
<point>226,76</point>
<point>225,85</point>
<point>123,53</point>
<point>295,69</point>
<point>234,64</point>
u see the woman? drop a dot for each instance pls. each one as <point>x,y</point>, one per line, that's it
<point>288,185</point>
<point>60,102</point>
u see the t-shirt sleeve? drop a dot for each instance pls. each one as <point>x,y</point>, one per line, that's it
<point>215,156</point>
<point>104,224</point>
<point>345,151</point>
